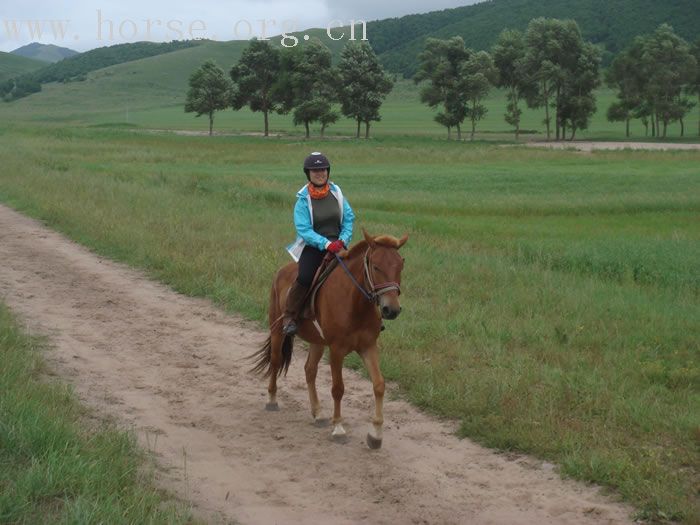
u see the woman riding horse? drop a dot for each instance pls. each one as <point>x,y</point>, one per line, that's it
<point>323,219</point>
<point>348,308</point>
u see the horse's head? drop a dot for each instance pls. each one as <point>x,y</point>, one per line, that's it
<point>383,266</point>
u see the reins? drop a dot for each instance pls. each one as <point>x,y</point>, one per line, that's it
<point>376,291</point>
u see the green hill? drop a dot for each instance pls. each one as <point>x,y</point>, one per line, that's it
<point>14,65</point>
<point>151,82</point>
<point>77,67</point>
<point>44,52</point>
<point>610,24</point>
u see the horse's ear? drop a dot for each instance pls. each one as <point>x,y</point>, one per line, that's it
<point>402,240</point>
<point>368,237</point>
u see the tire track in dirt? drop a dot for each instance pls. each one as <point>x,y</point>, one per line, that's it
<point>170,367</point>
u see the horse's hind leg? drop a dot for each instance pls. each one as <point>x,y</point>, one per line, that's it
<point>276,339</point>
<point>311,368</point>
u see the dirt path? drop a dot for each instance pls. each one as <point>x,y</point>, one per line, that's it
<point>169,367</point>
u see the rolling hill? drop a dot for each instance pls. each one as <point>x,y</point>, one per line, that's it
<point>151,82</point>
<point>14,65</point>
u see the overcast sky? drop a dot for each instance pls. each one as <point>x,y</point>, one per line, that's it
<point>86,25</point>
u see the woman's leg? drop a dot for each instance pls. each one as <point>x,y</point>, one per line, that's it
<point>309,262</point>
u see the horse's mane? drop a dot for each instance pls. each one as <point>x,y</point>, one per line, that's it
<point>383,240</point>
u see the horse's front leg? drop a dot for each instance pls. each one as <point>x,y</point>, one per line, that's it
<point>371,359</point>
<point>311,368</point>
<point>337,390</point>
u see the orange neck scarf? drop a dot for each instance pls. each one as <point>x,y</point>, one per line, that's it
<point>319,193</point>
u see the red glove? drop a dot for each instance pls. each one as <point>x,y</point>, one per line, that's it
<point>336,246</point>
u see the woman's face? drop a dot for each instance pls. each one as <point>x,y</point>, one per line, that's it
<point>318,177</point>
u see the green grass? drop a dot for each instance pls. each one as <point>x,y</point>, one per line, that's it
<point>551,299</point>
<point>53,468</point>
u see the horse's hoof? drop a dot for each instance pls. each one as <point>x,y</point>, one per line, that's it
<point>272,407</point>
<point>339,435</point>
<point>321,422</point>
<point>373,442</point>
<point>341,439</point>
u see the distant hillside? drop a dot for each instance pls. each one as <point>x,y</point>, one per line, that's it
<point>156,81</point>
<point>102,57</point>
<point>398,41</point>
<point>44,52</point>
<point>14,65</point>
<point>77,67</point>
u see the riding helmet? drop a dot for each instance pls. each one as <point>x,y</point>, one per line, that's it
<point>316,161</point>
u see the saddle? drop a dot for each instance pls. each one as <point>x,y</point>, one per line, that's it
<point>327,266</point>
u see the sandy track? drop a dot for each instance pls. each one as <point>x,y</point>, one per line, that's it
<point>169,367</point>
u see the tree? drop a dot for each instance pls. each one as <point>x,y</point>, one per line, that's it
<point>554,50</point>
<point>478,74</point>
<point>694,87</point>
<point>309,85</point>
<point>209,91</point>
<point>19,87</point>
<point>256,76</point>
<point>362,84</point>
<point>625,74</point>
<point>576,104</point>
<point>441,67</point>
<point>509,58</point>
<point>542,61</point>
<point>669,66</point>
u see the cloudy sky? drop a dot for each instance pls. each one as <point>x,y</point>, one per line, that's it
<point>83,25</point>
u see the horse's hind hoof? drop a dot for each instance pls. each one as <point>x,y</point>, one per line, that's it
<point>321,422</point>
<point>272,407</point>
<point>373,442</point>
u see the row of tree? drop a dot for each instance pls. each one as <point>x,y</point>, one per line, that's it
<point>652,76</point>
<point>548,66</point>
<point>301,80</point>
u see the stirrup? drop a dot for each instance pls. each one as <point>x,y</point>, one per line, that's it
<point>290,328</point>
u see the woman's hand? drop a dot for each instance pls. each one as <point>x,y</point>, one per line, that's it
<point>336,246</point>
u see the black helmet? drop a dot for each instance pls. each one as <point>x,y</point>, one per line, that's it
<point>316,161</point>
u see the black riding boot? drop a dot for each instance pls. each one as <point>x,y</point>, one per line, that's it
<point>293,308</point>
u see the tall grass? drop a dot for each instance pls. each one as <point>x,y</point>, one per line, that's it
<point>551,298</point>
<point>55,469</point>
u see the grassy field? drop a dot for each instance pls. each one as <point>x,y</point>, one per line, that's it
<point>551,298</point>
<point>54,468</point>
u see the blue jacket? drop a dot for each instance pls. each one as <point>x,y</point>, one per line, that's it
<point>304,222</point>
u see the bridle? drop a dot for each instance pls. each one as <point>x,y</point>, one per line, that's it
<point>375,290</point>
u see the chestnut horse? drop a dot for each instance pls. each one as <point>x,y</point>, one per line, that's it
<point>349,308</point>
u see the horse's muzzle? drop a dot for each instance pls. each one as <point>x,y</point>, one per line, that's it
<point>390,312</point>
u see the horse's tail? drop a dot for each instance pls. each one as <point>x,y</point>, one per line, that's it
<point>287,349</point>
<point>263,357</point>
